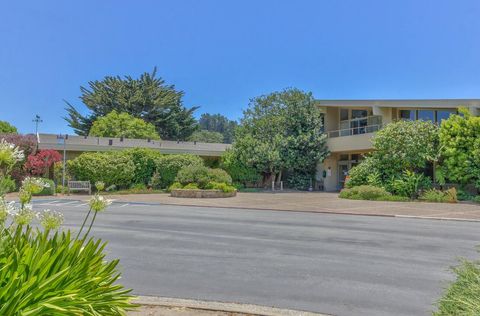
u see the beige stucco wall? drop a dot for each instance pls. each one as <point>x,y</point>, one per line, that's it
<point>331,119</point>
<point>330,182</point>
<point>386,113</point>
<point>361,142</point>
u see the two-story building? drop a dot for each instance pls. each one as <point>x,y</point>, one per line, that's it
<point>350,125</point>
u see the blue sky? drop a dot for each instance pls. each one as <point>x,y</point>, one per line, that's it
<point>221,53</point>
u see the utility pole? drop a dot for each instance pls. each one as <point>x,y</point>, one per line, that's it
<point>37,120</point>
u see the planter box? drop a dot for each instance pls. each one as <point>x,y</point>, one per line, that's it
<point>198,194</point>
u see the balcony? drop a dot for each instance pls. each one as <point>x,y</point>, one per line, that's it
<point>357,126</point>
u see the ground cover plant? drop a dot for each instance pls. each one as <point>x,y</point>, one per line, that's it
<point>462,296</point>
<point>369,192</point>
<point>48,271</point>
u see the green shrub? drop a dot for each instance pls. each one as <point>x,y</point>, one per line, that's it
<point>239,171</point>
<point>113,167</point>
<point>155,181</point>
<point>359,175</point>
<point>138,187</point>
<point>202,175</point>
<point>364,192</point>
<point>50,190</point>
<point>219,175</point>
<point>463,195</point>
<point>476,199</point>
<point>462,296</point>
<point>191,186</point>
<point>60,189</point>
<point>434,195</point>
<point>174,186</point>
<point>299,181</point>
<point>144,160</point>
<point>409,184</point>
<point>168,166</point>
<point>405,145</point>
<point>220,186</point>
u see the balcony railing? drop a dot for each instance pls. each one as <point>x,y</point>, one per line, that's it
<point>364,125</point>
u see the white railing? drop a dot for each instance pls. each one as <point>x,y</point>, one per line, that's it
<point>364,125</point>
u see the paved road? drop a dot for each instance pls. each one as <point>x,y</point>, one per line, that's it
<point>335,264</point>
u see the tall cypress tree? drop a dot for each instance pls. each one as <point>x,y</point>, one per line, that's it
<point>147,97</point>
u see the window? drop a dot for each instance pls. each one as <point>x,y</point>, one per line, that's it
<point>359,113</point>
<point>426,115</point>
<point>444,114</point>
<point>408,115</point>
<point>343,157</point>
<point>343,114</point>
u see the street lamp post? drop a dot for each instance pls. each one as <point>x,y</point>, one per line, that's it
<point>37,120</point>
<point>63,139</point>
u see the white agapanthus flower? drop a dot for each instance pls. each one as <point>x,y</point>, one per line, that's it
<point>50,219</point>
<point>25,215</point>
<point>99,203</point>
<point>34,185</point>
<point>15,152</point>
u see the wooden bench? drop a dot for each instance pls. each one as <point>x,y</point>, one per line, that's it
<point>80,186</point>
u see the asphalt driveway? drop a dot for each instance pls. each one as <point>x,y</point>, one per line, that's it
<point>334,264</point>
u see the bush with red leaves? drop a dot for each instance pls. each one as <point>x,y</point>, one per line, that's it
<point>40,163</point>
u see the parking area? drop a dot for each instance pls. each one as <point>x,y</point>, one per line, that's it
<point>304,202</point>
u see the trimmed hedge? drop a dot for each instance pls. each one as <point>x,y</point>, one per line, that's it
<point>168,166</point>
<point>112,168</point>
<point>202,175</point>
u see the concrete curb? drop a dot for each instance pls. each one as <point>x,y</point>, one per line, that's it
<point>439,218</point>
<point>248,309</point>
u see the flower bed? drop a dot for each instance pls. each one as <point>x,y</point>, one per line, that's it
<point>198,193</point>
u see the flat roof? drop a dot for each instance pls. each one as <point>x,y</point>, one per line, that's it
<point>439,103</point>
<point>91,143</point>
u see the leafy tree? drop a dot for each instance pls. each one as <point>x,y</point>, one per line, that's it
<point>205,136</point>
<point>218,123</point>
<point>7,128</point>
<point>147,98</point>
<point>281,131</point>
<point>405,145</point>
<point>237,169</point>
<point>116,124</point>
<point>460,148</point>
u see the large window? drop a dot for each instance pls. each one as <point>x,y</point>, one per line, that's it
<point>444,114</point>
<point>426,115</point>
<point>435,116</point>
<point>359,113</point>
<point>408,115</point>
